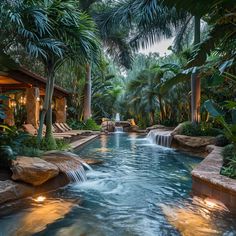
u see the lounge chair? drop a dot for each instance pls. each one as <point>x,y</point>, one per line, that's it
<point>56,134</point>
<point>29,128</point>
<point>67,127</point>
<point>66,131</point>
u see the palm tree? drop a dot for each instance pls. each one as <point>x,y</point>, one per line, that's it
<point>115,43</point>
<point>18,32</point>
<point>77,34</point>
<point>150,20</point>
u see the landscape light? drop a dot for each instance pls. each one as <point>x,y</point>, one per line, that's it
<point>40,199</point>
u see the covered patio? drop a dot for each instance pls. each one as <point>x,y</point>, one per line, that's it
<point>25,93</point>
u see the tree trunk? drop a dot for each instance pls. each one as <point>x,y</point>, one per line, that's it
<point>195,79</point>
<point>47,102</point>
<point>152,117</point>
<point>51,142</point>
<point>87,93</point>
<point>162,115</point>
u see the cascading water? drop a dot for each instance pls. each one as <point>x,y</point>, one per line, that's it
<point>117,119</point>
<point>159,137</point>
<point>119,129</point>
<point>70,164</point>
<point>77,175</point>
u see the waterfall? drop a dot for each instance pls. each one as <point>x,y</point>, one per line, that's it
<point>77,175</point>
<point>86,165</point>
<point>70,164</point>
<point>117,119</point>
<point>119,129</point>
<point>159,137</point>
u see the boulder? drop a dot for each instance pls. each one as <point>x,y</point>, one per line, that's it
<point>162,127</point>
<point>10,190</point>
<point>178,129</point>
<point>65,161</point>
<point>134,128</point>
<point>108,126</point>
<point>93,161</point>
<point>124,124</point>
<point>34,170</point>
<point>194,142</point>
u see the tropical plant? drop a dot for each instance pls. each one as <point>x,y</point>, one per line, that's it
<point>77,34</point>
<point>217,113</point>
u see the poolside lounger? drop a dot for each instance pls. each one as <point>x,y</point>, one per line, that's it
<point>29,128</point>
<point>56,134</point>
<point>77,131</point>
<point>66,126</point>
<point>64,130</point>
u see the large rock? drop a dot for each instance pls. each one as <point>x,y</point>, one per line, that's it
<point>10,190</point>
<point>194,142</point>
<point>160,127</point>
<point>93,161</point>
<point>34,171</point>
<point>178,129</point>
<point>108,126</point>
<point>124,124</point>
<point>65,161</point>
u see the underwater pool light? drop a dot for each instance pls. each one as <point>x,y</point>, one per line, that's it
<point>40,199</point>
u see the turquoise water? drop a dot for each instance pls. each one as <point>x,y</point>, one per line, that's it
<point>140,189</point>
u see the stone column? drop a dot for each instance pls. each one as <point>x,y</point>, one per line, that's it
<point>9,112</point>
<point>60,110</point>
<point>32,106</point>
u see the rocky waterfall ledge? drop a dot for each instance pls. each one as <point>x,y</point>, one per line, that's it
<point>31,175</point>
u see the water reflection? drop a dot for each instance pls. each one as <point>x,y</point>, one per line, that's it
<point>189,222</point>
<point>35,218</point>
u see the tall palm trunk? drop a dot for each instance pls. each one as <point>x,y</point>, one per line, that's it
<point>87,93</point>
<point>152,117</point>
<point>195,79</point>
<point>162,112</point>
<point>46,105</point>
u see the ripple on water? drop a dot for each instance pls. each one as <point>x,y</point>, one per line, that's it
<point>140,190</point>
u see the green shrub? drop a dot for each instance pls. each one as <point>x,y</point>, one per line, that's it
<point>202,129</point>
<point>221,140</point>
<point>229,161</point>
<point>30,152</point>
<point>90,124</point>
<point>7,155</point>
<point>76,124</point>
<point>62,144</point>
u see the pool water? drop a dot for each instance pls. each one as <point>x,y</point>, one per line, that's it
<point>140,189</point>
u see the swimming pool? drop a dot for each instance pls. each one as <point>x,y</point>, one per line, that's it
<point>140,189</point>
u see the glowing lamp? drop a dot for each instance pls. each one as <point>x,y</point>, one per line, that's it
<point>40,199</point>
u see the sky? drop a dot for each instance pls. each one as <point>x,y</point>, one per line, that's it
<point>160,47</point>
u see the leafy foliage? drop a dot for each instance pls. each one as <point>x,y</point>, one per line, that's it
<point>89,124</point>
<point>229,161</point>
<point>202,129</point>
<point>229,128</point>
<point>6,156</point>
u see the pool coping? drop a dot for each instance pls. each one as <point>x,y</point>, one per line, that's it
<point>81,142</point>
<point>208,182</point>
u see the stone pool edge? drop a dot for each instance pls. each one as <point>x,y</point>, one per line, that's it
<point>208,182</point>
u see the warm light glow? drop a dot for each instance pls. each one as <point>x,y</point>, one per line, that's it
<point>40,199</point>
<point>210,203</point>
<point>38,99</point>
<point>22,100</point>
<point>13,103</point>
